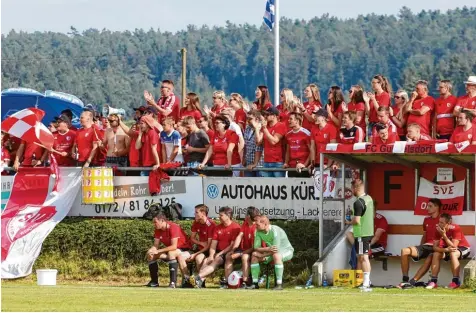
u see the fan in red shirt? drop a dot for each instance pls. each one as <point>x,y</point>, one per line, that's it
<point>351,133</point>
<point>219,104</point>
<point>12,144</point>
<point>176,249</point>
<point>335,106</point>
<point>420,107</point>
<point>222,242</point>
<point>85,144</point>
<point>236,103</point>
<point>322,134</point>
<point>224,147</point>
<point>286,107</point>
<point>192,102</point>
<point>465,132</point>
<point>243,246</point>
<point>425,248</point>
<point>357,105</point>
<point>380,97</point>
<point>31,154</point>
<point>5,158</point>
<point>450,245</point>
<point>444,119</point>
<point>133,133</point>
<point>383,136</point>
<point>147,142</point>
<point>383,116</point>
<point>263,101</point>
<point>397,116</point>
<point>298,146</point>
<point>69,114</point>
<point>414,134</point>
<point>468,101</point>
<point>64,142</point>
<point>313,103</point>
<point>168,104</point>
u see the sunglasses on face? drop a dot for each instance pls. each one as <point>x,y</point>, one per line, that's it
<point>281,95</point>
<point>397,97</point>
<point>164,87</point>
<point>111,121</point>
<point>351,90</point>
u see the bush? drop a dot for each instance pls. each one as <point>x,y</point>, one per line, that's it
<point>85,249</point>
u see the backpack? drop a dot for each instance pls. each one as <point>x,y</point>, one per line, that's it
<point>172,211</point>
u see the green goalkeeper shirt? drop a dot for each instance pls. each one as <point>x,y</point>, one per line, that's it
<point>275,237</point>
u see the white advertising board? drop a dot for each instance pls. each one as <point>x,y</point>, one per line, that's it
<point>132,197</point>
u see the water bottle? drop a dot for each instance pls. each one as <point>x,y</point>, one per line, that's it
<point>348,216</point>
<point>324,280</point>
<point>309,283</point>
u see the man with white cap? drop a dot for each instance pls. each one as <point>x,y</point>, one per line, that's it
<point>468,101</point>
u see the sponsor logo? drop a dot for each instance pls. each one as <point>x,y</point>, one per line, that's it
<point>28,219</point>
<point>212,191</point>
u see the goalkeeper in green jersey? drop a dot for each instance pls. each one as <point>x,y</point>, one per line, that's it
<point>278,249</point>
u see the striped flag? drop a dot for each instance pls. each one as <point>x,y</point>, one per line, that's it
<point>269,14</point>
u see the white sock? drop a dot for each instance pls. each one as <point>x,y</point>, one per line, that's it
<point>366,279</point>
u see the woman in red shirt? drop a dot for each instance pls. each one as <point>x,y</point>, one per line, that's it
<point>263,101</point>
<point>397,114</point>
<point>313,103</point>
<point>334,106</point>
<point>192,107</point>
<point>219,104</point>
<point>236,103</point>
<point>286,107</point>
<point>380,97</point>
<point>224,147</point>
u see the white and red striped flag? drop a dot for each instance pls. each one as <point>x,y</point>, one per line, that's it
<point>26,125</point>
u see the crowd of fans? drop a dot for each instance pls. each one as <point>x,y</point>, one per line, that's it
<point>233,133</point>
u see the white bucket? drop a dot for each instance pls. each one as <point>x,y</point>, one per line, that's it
<point>46,277</point>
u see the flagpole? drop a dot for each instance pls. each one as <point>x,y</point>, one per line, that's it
<point>276,53</point>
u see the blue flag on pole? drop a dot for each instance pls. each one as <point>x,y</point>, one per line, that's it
<point>269,14</point>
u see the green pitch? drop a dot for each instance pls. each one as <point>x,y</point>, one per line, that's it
<point>21,297</point>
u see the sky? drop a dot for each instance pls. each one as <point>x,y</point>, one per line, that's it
<point>175,15</point>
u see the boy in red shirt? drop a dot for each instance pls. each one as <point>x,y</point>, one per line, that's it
<point>450,245</point>
<point>223,239</point>
<point>383,135</point>
<point>85,145</point>
<point>176,246</point>
<point>466,130</point>
<point>298,146</point>
<point>147,142</point>
<point>322,134</point>
<point>243,247</point>
<point>64,142</point>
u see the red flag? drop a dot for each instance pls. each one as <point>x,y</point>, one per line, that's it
<point>26,125</point>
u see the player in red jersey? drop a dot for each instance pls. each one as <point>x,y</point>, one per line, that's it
<point>383,137</point>
<point>334,107</point>
<point>444,119</point>
<point>466,130</point>
<point>262,102</point>
<point>69,114</point>
<point>420,108</point>
<point>425,249</point>
<point>63,144</point>
<point>380,97</point>
<point>357,105</point>
<point>313,103</point>
<point>351,133</point>
<point>31,154</point>
<point>450,245</point>
<point>224,236</point>
<point>168,104</point>
<point>298,146</point>
<point>243,247</point>
<point>176,247</point>
<point>147,142</point>
<point>271,136</point>
<point>414,133</point>
<point>322,134</point>
<point>192,107</point>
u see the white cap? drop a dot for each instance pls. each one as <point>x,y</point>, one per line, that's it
<point>471,80</point>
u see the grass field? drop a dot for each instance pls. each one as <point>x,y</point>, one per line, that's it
<point>22,297</point>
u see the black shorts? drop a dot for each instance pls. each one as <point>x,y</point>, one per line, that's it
<point>197,248</point>
<point>463,253</point>
<point>423,251</point>
<point>377,250</point>
<point>362,245</point>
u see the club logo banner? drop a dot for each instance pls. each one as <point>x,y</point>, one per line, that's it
<point>451,196</point>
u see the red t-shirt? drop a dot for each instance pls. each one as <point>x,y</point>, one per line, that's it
<point>5,155</point>
<point>263,107</point>
<point>134,154</point>
<point>284,116</point>
<point>466,102</point>
<point>323,137</point>
<point>248,239</point>
<point>225,235</point>
<point>460,135</point>
<point>204,231</point>
<point>376,140</point>
<point>336,112</point>
<point>401,131</point>
<point>358,107</point>
<point>381,222</point>
<point>217,111</point>
<point>211,134</point>
<point>101,152</point>
<point>454,232</point>
<point>220,145</point>
<point>240,118</point>
<point>310,107</point>
<point>274,153</point>
<point>173,231</point>
<point>298,143</point>
<point>423,120</point>
<point>196,114</point>
<point>429,226</point>
<point>148,139</point>
<point>383,100</point>
<point>64,143</point>
<point>84,142</point>
<point>174,106</point>
<point>31,150</point>
<point>445,121</point>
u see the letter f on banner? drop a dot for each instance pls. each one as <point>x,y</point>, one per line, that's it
<point>388,186</point>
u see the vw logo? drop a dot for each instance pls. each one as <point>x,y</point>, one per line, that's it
<point>212,191</point>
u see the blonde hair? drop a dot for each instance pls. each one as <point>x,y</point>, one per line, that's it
<point>238,98</point>
<point>316,94</point>
<point>403,94</point>
<point>288,99</point>
<point>169,121</point>
<point>447,83</point>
